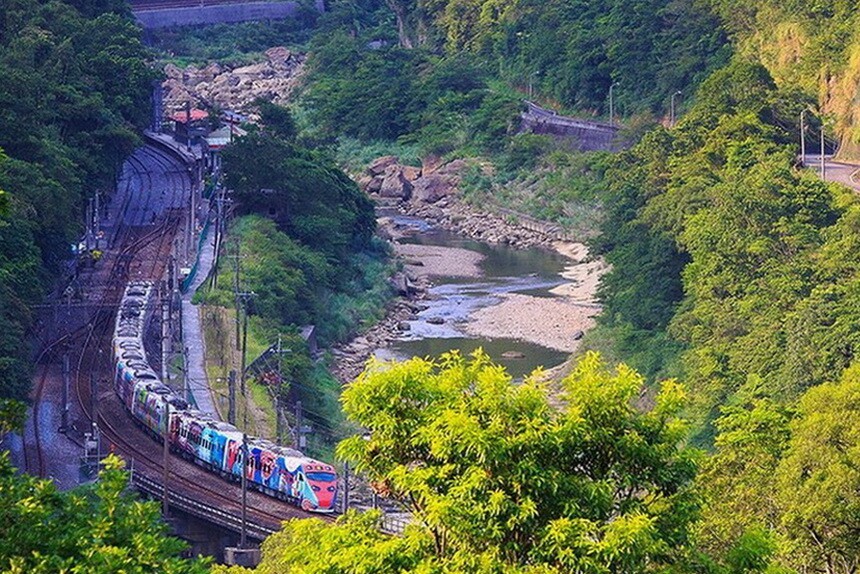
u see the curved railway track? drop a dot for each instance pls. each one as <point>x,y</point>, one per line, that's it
<point>144,244</point>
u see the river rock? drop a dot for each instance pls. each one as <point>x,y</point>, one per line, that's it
<point>374,185</point>
<point>436,320</point>
<point>577,335</point>
<point>404,325</point>
<point>400,283</point>
<point>395,184</point>
<point>431,163</point>
<point>411,173</point>
<point>431,188</point>
<point>379,166</point>
<point>279,56</point>
<point>456,167</point>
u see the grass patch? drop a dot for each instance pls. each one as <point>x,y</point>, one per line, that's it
<point>354,155</point>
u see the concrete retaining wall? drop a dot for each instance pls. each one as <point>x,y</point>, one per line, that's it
<point>223,13</point>
<point>584,135</point>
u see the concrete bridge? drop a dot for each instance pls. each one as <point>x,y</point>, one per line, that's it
<point>152,14</point>
<point>582,134</point>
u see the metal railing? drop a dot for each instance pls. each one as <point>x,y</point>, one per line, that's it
<point>210,513</point>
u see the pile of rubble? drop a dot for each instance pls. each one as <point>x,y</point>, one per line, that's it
<point>234,89</point>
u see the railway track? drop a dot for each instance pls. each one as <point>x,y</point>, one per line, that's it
<point>145,243</point>
<point>128,439</point>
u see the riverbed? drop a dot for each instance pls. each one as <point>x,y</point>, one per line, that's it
<point>527,308</point>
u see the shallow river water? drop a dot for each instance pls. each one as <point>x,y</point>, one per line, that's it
<point>504,270</point>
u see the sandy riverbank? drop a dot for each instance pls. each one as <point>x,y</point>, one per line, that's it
<point>555,322</point>
<point>437,261</point>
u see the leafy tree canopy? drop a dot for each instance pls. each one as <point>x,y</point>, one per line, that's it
<point>498,480</point>
<point>98,529</point>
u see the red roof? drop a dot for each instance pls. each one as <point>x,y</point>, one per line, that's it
<point>196,115</point>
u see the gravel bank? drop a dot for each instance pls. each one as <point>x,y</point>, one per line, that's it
<point>436,261</point>
<point>556,323</point>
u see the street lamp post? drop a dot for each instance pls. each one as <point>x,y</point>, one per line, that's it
<point>531,82</point>
<point>802,139</point>
<point>823,168</point>
<point>612,104</point>
<point>672,108</point>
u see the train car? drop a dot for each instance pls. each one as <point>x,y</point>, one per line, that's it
<point>281,472</point>
<point>150,403</point>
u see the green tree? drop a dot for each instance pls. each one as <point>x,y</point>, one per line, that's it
<point>312,200</point>
<point>498,480</point>
<point>741,510</point>
<point>819,479</point>
<point>99,528</point>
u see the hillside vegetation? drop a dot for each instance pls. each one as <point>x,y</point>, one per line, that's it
<point>732,269</point>
<point>75,92</point>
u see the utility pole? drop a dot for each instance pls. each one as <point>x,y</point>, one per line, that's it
<point>279,417</point>
<point>243,299</point>
<point>242,370</point>
<point>672,108</point>
<point>300,435</point>
<point>612,104</point>
<point>66,386</point>
<point>219,206</point>
<point>165,460</point>
<point>96,220</point>
<point>89,225</point>
<point>802,139</point>
<point>94,399</point>
<point>165,334</point>
<point>236,287</point>
<point>244,536</point>
<point>279,426</point>
<point>231,397</point>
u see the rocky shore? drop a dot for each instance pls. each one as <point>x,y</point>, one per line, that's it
<point>557,322</point>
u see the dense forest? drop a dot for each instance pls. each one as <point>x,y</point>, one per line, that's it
<point>733,271</point>
<point>75,94</point>
<point>728,446</point>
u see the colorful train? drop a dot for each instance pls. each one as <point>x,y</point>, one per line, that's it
<point>281,472</point>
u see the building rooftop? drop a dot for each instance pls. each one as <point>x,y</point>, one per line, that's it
<point>195,115</point>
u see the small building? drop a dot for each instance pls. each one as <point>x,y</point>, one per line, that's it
<point>190,126</point>
<point>223,136</point>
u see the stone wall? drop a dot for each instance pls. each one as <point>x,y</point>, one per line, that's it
<point>583,135</point>
<point>223,13</point>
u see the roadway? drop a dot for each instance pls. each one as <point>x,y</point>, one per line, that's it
<point>847,174</point>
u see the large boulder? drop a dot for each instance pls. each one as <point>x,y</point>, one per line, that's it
<point>172,72</point>
<point>381,164</point>
<point>278,55</point>
<point>431,188</point>
<point>411,173</point>
<point>210,72</point>
<point>374,185</point>
<point>431,163</point>
<point>394,184</point>
<point>456,167</point>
